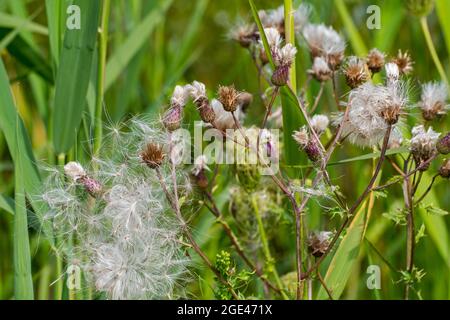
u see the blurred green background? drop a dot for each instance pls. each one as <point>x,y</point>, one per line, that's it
<point>184,41</point>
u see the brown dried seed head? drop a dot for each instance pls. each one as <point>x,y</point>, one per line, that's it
<point>152,155</point>
<point>391,113</point>
<point>356,72</point>
<point>404,62</point>
<point>318,243</point>
<point>375,60</point>
<point>207,113</point>
<point>228,96</point>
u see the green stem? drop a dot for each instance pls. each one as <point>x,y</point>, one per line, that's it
<point>102,49</point>
<point>290,38</point>
<point>432,49</point>
<point>269,259</point>
<point>59,259</point>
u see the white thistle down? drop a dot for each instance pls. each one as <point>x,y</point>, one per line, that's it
<point>320,69</point>
<point>392,74</point>
<point>371,106</point>
<point>200,164</point>
<point>74,171</point>
<point>286,55</point>
<point>433,100</point>
<point>273,38</point>
<point>197,90</point>
<point>423,142</point>
<point>180,96</point>
<point>319,123</point>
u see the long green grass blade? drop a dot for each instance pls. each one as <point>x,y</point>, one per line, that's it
<point>442,10</point>
<point>137,39</point>
<point>73,76</point>
<point>7,204</point>
<point>13,22</point>
<point>356,40</point>
<point>23,283</point>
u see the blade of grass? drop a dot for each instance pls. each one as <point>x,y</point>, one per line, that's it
<point>73,76</point>
<point>137,39</point>
<point>442,10</point>
<point>23,283</point>
<point>13,22</point>
<point>7,204</point>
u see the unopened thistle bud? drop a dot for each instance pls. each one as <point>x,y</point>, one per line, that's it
<point>375,60</point>
<point>152,155</point>
<point>444,170</point>
<point>76,172</point>
<point>172,118</point>
<point>356,72</point>
<point>420,8</point>
<point>443,145</point>
<point>320,70</point>
<point>307,144</point>
<point>197,90</point>
<point>92,186</point>
<point>228,96</point>
<point>318,243</point>
<point>207,113</point>
<point>404,62</point>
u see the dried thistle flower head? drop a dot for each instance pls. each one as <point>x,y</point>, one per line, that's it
<point>423,144</point>
<point>375,60</point>
<point>319,123</point>
<point>318,242</point>
<point>243,33</point>
<point>197,91</point>
<point>301,16</point>
<point>309,145</point>
<point>420,8</point>
<point>325,42</point>
<point>443,145</point>
<point>224,119</point>
<point>283,61</point>
<point>444,170</point>
<point>200,166</point>
<point>320,70</point>
<point>152,155</point>
<point>356,72</point>
<point>228,96</point>
<point>392,74</point>
<point>433,100</point>
<point>395,140</point>
<point>74,171</point>
<point>179,97</point>
<point>404,62</point>
<point>273,38</point>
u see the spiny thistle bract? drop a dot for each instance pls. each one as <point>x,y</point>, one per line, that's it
<point>127,238</point>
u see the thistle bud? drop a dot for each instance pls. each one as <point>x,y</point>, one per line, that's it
<point>280,76</point>
<point>420,8</point>
<point>443,144</point>
<point>76,172</point>
<point>318,243</point>
<point>375,60</point>
<point>228,96</point>
<point>308,145</point>
<point>172,118</point>
<point>92,186</point>
<point>199,172</point>
<point>207,113</point>
<point>152,155</point>
<point>444,170</point>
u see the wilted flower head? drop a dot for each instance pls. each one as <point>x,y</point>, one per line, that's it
<point>433,100</point>
<point>307,143</point>
<point>375,60</point>
<point>420,7</point>
<point>152,155</point>
<point>283,61</point>
<point>318,242</point>
<point>325,42</point>
<point>243,33</point>
<point>423,143</point>
<point>372,109</point>
<point>229,97</point>
<point>244,100</point>
<point>74,171</point>
<point>320,70</point>
<point>404,62</point>
<point>179,97</point>
<point>273,38</point>
<point>319,123</point>
<point>356,72</point>
<point>197,91</point>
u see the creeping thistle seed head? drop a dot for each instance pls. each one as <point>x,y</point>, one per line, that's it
<point>224,119</point>
<point>325,42</point>
<point>423,144</point>
<point>404,62</point>
<point>229,97</point>
<point>199,171</point>
<point>244,100</point>
<point>433,100</point>
<point>74,171</point>
<point>396,139</point>
<point>375,60</point>
<point>179,97</point>
<point>308,144</point>
<point>356,72</point>
<point>243,33</point>
<point>197,91</point>
<point>318,242</point>
<point>319,123</point>
<point>444,170</point>
<point>301,16</point>
<point>320,70</point>
<point>283,61</point>
<point>273,38</point>
<point>207,113</point>
<point>392,74</point>
<point>443,145</point>
<point>152,155</point>
<point>420,8</point>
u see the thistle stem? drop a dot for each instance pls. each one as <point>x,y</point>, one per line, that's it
<point>408,197</point>
<point>432,49</point>
<point>102,50</point>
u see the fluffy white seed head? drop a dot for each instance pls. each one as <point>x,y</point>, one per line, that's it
<point>320,69</point>
<point>301,137</point>
<point>273,38</point>
<point>196,90</point>
<point>392,73</point>
<point>319,123</point>
<point>433,100</point>
<point>180,96</point>
<point>74,171</point>
<point>301,16</point>
<point>423,142</point>
<point>286,55</point>
<point>324,41</point>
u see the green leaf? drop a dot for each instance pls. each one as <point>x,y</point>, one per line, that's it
<point>13,22</point>
<point>20,149</point>
<point>137,39</point>
<point>7,204</point>
<point>73,76</point>
<point>442,10</point>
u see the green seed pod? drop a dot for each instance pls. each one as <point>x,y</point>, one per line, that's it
<point>420,8</point>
